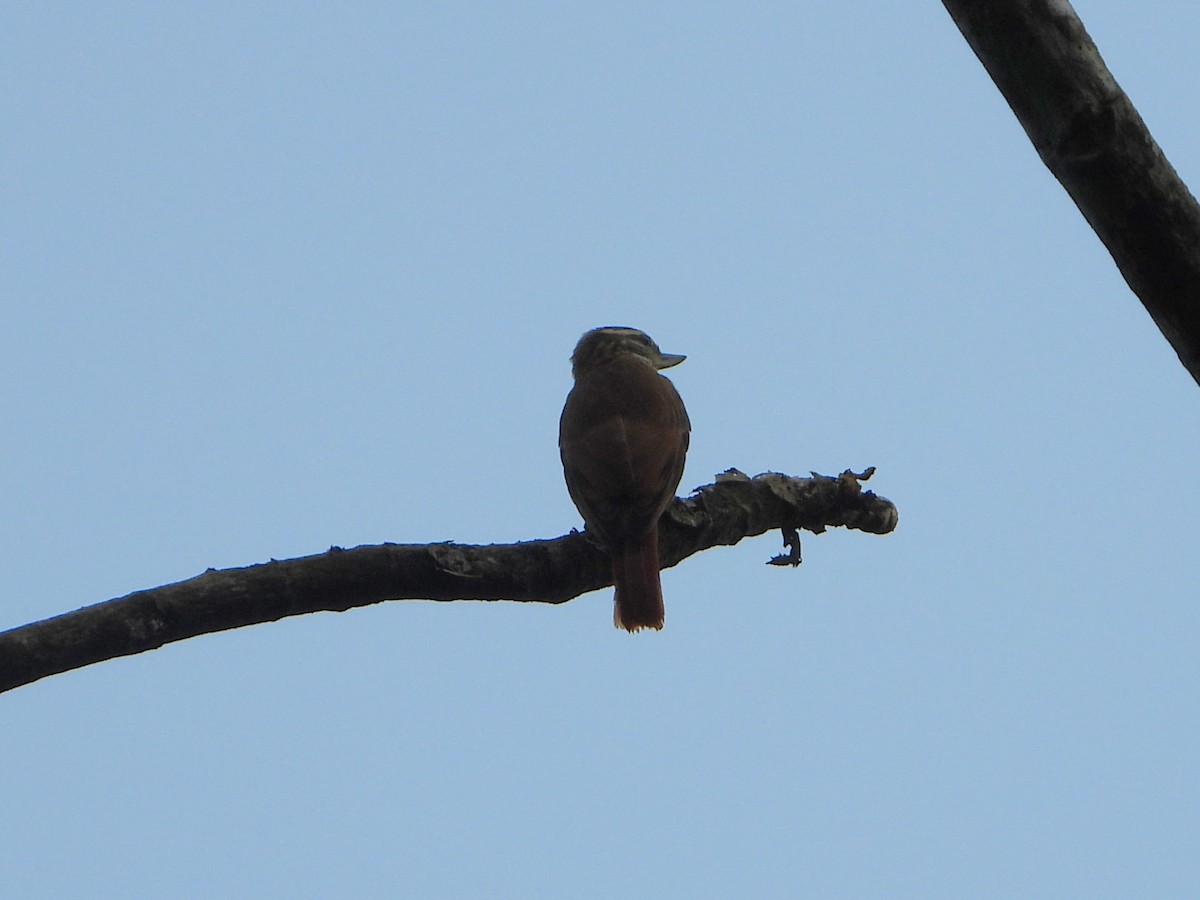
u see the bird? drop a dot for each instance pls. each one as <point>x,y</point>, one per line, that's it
<point>623,437</point>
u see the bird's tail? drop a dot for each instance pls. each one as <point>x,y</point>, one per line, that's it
<point>638,589</point>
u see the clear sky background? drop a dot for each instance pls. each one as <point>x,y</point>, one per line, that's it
<point>284,276</point>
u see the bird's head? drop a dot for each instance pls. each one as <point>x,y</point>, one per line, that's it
<point>602,345</point>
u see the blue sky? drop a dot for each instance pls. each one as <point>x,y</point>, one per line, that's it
<point>286,276</point>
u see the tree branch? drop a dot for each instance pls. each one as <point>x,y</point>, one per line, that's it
<point>1094,142</point>
<point>547,571</point>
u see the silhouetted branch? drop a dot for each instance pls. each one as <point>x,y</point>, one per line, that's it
<point>548,571</point>
<point>1094,142</point>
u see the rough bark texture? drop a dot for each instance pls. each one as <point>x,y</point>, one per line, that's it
<point>1089,135</point>
<point>550,571</point>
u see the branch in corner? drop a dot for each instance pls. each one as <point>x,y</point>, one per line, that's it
<point>1089,135</point>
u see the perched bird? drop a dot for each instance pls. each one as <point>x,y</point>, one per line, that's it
<point>623,437</point>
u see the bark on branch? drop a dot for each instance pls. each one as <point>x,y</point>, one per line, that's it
<point>1094,142</point>
<point>547,571</point>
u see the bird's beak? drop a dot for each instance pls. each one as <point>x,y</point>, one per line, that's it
<point>666,360</point>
